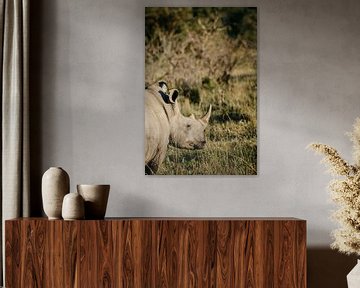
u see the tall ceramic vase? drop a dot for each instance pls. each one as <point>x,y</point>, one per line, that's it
<point>55,185</point>
<point>353,278</point>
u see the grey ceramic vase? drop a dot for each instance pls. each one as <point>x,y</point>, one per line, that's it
<point>55,185</point>
<point>73,207</point>
<point>96,198</point>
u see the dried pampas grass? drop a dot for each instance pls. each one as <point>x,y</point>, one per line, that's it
<point>345,191</point>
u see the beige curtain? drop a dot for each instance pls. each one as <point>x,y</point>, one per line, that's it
<point>14,25</point>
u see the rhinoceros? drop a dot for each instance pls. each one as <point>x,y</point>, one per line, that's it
<point>164,124</point>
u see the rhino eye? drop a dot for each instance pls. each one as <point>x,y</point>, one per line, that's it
<point>188,125</point>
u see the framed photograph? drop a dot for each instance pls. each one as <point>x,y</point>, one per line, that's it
<point>201,91</point>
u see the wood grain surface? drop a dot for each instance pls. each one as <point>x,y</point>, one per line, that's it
<point>160,252</point>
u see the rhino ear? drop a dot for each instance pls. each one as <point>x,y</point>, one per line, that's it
<point>173,95</point>
<point>192,116</point>
<point>163,86</point>
<point>205,119</point>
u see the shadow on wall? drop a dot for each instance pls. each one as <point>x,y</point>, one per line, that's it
<point>35,59</point>
<point>328,268</point>
<point>140,207</point>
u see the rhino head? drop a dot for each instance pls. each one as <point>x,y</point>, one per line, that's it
<point>186,132</point>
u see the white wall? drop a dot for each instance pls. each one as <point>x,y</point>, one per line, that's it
<point>91,73</point>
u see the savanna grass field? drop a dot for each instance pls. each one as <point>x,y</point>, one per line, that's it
<point>210,56</point>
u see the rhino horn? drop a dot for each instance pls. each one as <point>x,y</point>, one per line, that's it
<point>192,116</point>
<point>206,117</point>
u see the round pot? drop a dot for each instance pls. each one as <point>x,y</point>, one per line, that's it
<point>73,207</point>
<point>55,185</point>
<point>96,198</point>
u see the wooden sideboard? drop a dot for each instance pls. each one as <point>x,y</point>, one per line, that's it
<point>156,252</point>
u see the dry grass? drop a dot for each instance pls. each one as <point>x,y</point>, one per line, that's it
<point>345,192</point>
